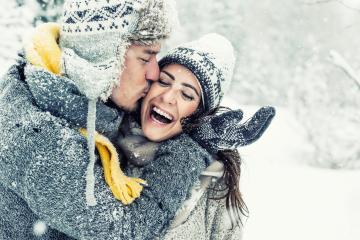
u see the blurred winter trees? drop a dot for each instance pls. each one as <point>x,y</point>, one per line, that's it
<point>49,11</point>
<point>283,50</point>
<point>327,102</point>
<point>283,59</point>
<point>16,19</point>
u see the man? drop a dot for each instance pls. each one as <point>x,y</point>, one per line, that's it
<point>108,50</point>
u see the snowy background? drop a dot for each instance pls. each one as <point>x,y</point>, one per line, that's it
<point>301,180</point>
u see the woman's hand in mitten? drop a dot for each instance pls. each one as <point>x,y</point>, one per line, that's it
<point>225,131</point>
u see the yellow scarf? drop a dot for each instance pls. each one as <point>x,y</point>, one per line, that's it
<point>43,50</point>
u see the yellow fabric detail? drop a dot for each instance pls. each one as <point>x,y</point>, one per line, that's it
<point>42,48</point>
<point>126,189</point>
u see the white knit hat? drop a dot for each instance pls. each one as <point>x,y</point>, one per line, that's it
<point>94,38</point>
<point>211,59</point>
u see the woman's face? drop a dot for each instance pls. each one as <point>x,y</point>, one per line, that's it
<point>175,96</point>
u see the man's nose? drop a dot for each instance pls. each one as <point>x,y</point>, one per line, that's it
<point>152,71</point>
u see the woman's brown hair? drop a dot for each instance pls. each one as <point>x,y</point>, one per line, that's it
<point>235,204</point>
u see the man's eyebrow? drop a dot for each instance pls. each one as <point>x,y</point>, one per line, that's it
<point>192,87</point>
<point>150,52</point>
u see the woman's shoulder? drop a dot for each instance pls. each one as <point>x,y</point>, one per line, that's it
<point>208,220</point>
<point>221,226</point>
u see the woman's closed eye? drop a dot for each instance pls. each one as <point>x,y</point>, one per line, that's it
<point>164,83</point>
<point>184,93</point>
<point>187,96</point>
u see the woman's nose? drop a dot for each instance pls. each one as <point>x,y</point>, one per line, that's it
<point>169,96</point>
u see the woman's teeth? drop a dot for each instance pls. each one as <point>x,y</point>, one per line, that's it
<point>162,113</point>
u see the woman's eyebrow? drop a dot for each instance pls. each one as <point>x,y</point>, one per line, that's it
<point>184,84</point>
<point>169,74</point>
<point>192,87</point>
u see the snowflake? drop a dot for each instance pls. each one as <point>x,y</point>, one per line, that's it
<point>39,228</point>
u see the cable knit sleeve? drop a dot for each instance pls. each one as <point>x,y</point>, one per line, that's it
<point>44,162</point>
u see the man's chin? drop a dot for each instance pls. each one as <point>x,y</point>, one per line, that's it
<point>123,107</point>
<point>131,108</point>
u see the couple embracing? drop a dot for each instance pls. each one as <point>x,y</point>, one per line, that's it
<point>101,141</point>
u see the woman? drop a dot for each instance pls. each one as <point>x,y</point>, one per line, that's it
<point>193,79</point>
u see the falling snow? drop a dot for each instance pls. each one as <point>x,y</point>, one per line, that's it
<point>296,180</point>
<point>39,228</point>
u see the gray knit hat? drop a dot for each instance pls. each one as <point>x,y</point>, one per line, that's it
<point>94,38</point>
<point>211,59</point>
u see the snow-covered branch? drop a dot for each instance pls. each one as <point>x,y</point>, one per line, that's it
<point>318,2</point>
<point>340,61</point>
<point>330,1</point>
<point>348,6</point>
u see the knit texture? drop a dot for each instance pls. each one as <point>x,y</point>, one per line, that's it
<point>224,131</point>
<point>208,220</point>
<point>95,35</point>
<point>198,217</point>
<point>144,21</point>
<point>211,59</point>
<point>60,96</point>
<point>17,221</point>
<point>94,38</point>
<point>43,160</point>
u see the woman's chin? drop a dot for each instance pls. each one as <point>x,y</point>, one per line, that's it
<point>156,135</point>
<point>157,131</point>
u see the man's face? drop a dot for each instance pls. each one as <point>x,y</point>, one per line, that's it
<point>140,69</point>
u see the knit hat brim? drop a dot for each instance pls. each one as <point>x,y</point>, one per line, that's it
<point>211,59</point>
<point>197,71</point>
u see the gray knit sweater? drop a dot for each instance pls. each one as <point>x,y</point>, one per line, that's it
<point>43,161</point>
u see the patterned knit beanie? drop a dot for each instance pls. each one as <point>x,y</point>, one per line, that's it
<point>95,35</point>
<point>94,38</point>
<point>211,59</point>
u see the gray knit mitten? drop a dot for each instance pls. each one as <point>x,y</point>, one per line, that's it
<point>224,131</point>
